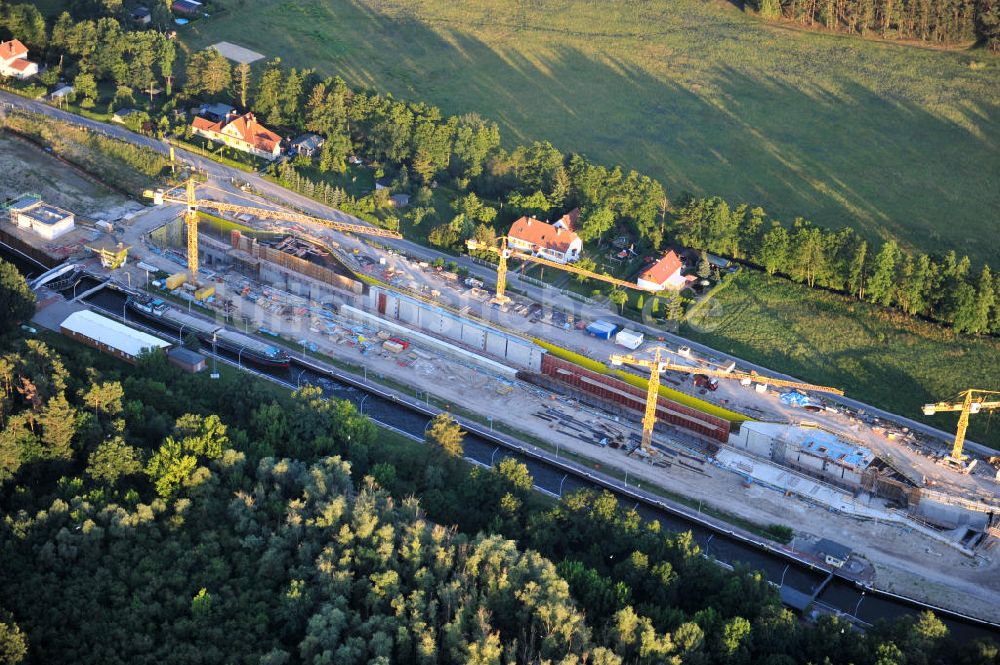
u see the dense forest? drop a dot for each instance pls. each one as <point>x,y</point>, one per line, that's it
<point>932,21</point>
<point>156,516</point>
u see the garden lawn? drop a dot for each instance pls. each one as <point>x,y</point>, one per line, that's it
<point>890,139</point>
<point>887,359</point>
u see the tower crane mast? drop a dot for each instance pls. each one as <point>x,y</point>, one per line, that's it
<point>192,204</point>
<point>659,364</point>
<point>973,401</point>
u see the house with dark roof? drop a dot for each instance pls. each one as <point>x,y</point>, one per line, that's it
<point>833,553</point>
<point>243,133</point>
<point>664,274</point>
<point>548,241</point>
<point>141,16</point>
<point>186,7</point>
<point>14,60</point>
<point>308,144</point>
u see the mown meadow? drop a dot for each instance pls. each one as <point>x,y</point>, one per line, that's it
<point>892,140</point>
<point>888,359</point>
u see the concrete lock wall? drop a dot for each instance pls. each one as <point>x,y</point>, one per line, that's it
<point>443,324</point>
<point>427,341</point>
<point>949,516</point>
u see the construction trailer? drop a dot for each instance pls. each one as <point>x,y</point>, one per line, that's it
<point>630,339</point>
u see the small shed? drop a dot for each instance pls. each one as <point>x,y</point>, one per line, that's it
<point>630,339</point>
<point>833,553</point>
<point>400,200</point>
<point>61,92</point>
<point>141,16</point>
<point>121,114</point>
<point>186,359</point>
<point>186,7</point>
<point>602,329</point>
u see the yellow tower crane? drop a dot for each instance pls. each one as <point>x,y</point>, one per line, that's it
<point>193,203</point>
<point>659,364</point>
<point>655,366</point>
<point>973,401</point>
<point>504,253</point>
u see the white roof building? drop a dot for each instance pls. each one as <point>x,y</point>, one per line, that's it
<point>109,336</point>
<point>48,221</point>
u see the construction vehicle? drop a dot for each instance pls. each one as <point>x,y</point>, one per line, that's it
<point>504,252</point>
<point>973,401</point>
<point>193,203</point>
<point>659,364</point>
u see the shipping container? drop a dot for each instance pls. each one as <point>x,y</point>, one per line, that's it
<point>393,347</point>
<point>176,280</point>
<point>203,293</point>
<point>602,329</point>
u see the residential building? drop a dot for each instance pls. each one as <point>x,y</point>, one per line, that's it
<point>243,133</point>
<point>48,221</point>
<point>400,200</point>
<point>664,274</point>
<point>308,144</point>
<point>14,60</point>
<point>547,241</point>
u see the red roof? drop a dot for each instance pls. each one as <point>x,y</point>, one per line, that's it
<point>20,65</point>
<point>662,270</point>
<point>542,235</point>
<point>12,49</point>
<point>569,219</point>
<point>247,129</point>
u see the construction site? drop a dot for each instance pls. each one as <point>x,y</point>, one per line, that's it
<point>919,516</point>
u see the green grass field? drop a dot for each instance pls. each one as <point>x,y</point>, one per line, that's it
<point>889,139</point>
<point>889,360</point>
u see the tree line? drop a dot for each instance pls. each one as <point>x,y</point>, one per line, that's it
<point>941,286</point>
<point>931,21</point>
<point>157,516</point>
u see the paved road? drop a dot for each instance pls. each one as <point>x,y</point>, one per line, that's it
<point>222,175</point>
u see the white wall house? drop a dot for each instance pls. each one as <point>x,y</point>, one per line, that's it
<point>14,60</point>
<point>555,243</point>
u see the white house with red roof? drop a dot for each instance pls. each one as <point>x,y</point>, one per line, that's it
<point>549,241</point>
<point>241,132</point>
<point>14,60</point>
<point>664,274</point>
